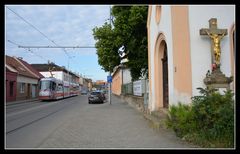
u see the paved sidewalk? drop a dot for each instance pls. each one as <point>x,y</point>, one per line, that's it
<point>115,125</point>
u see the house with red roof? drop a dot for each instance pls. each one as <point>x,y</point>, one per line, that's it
<point>22,80</point>
<point>11,83</point>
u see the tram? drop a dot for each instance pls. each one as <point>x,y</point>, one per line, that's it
<point>54,89</point>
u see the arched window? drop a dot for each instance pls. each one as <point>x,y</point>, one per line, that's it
<point>158,13</point>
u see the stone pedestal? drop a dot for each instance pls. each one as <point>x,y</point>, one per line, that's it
<point>217,80</point>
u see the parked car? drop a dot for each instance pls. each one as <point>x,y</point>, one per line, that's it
<point>103,94</point>
<point>84,92</point>
<point>96,97</point>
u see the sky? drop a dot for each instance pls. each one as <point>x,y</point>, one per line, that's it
<point>63,25</point>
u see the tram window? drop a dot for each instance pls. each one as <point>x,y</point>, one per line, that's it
<point>53,85</point>
<point>60,87</point>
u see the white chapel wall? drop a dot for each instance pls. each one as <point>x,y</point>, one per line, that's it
<point>201,46</point>
<point>165,28</point>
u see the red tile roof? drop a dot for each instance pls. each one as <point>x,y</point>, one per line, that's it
<point>10,69</point>
<point>32,69</point>
<point>20,67</point>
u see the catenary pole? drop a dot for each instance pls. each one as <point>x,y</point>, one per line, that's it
<point>109,88</point>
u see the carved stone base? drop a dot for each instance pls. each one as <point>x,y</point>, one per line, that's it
<point>217,80</point>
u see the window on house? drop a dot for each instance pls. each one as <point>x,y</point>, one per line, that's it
<point>22,87</point>
<point>11,88</point>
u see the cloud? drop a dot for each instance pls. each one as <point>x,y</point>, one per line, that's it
<point>66,25</point>
<point>62,24</point>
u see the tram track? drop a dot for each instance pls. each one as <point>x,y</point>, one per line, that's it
<point>27,112</point>
<point>63,104</point>
<point>12,107</point>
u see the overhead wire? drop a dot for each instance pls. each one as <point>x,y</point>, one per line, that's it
<point>34,27</point>
<point>28,49</point>
<point>37,30</point>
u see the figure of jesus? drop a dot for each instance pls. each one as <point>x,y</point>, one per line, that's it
<point>216,45</point>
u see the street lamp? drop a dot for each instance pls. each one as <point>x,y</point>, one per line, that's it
<point>123,54</point>
<point>124,59</point>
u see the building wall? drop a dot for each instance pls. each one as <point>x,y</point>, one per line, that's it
<point>56,74</point>
<point>155,29</point>
<point>24,79</point>
<point>233,56</point>
<point>126,76</point>
<point>193,55</point>
<point>201,46</point>
<point>81,80</point>
<point>86,86</point>
<point>117,82</point>
<point>181,55</point>
<point>22,95</point>
<point>29,82</point>
<point>11,77</point>
<point>90,85</point>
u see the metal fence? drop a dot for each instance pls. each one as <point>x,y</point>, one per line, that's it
<point>127,89</point>
<point>138,88</point>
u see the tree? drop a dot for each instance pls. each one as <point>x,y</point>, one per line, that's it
<point>106,48</point>
<point>129,30</point>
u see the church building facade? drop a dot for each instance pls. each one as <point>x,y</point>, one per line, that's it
<point>179,55</point>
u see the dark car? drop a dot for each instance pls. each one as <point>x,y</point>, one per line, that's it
<point>96,97</point>
<point>103,94</point>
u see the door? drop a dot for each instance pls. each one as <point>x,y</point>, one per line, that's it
<point>33,91</point>
<point>28,90</point>
<point>165,78</point>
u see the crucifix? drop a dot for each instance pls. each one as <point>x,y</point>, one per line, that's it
<point>216,35</point>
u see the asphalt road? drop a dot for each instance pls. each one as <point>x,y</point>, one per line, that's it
<point>73,123</point>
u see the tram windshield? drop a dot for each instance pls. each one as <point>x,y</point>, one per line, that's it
<point>44,85</point>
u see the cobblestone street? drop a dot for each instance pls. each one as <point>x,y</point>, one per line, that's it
<point>110,126</point>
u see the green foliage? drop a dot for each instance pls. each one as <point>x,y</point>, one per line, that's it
<point>129,29</point>
<point>215,115</point>
<point>107,58</point>
<point>181,119</point>
<point>209,121</point>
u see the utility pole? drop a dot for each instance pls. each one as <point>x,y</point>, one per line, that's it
<point>109,90</point>
<point>68,79</point>
<point>109,83</point>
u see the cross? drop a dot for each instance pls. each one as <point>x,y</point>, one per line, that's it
<point>216,35</point>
